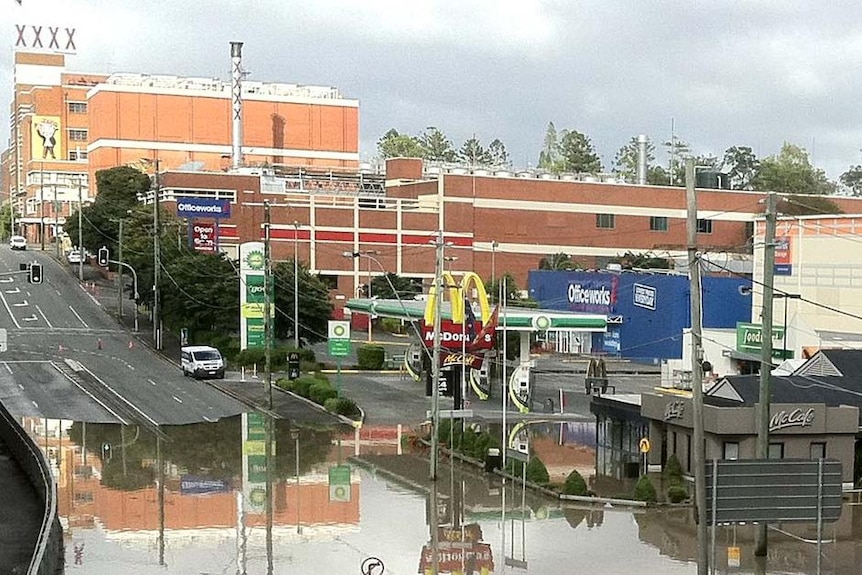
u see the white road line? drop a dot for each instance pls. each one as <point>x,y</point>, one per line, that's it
<point>80,319</point>
<point>13,290</point>
<point>9,311</point>
<point>9,369</point>
<point>126,401</point>
<point>95,301</point>
<point>24,303</point>
<point>35,404</point>
<point>44,316</point>
<point>151,381</point>
<point>93,397</point>
<point>177,399</point>
<point>30,318</point>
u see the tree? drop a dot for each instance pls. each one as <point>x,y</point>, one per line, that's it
<point>558,261</point>
<point>677,151</point>
<point>498,154</point>
<point>577,154</point>
<point>437,146</point>
<point>5,221</point>
<point>790,171</point>
<point>851,180</point>
<point>626,160</point>
<point>807,205</point>
<point>405,288</point>
<point>631,260</point>
<point>741,165</point>
<point>395,145</point>
<point>473,153</point>
<point>549,157</point>
<point>315,308</point>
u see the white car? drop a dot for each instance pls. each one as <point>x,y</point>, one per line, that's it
<point>74,256</point>
<point>18,243</point>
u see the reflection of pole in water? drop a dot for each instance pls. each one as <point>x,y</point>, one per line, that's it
<point>241,538</point>
<point>269,464</point>
<point>435,539</point>
<point>161,465</point>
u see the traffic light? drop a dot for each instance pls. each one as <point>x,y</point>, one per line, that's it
<point>35,276</point>
<point>103,256</point>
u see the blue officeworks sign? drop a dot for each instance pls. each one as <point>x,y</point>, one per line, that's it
<point>202,208</point>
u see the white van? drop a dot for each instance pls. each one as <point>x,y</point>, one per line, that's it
<point>202,361</point>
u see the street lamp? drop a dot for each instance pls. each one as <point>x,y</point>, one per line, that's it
<point>785,297</point>
<point>450,259</point>
<point>369,254</point>
<point>494,245</point>
<point>157,332</point>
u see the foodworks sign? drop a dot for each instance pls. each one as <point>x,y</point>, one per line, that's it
<point>202,207</point>
<point>593,296</point>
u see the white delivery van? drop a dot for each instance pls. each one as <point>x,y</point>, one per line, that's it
<point>202,361</point>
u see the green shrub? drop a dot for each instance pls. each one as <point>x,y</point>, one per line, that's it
<point>677,494</point>
<point>320,391</point>
<point>302,385</point>
<point>249,357</point>
<point>392,325</point>
<point>370,356</point>
<point>673,471</point>
<point>645,490</point>
<point>536,471</point>
<point>575,484</point>
<point>343,406</point>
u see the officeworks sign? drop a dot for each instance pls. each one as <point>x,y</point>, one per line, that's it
<point>202,208</point>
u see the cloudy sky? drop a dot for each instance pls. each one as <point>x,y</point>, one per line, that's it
<point>724,73</point>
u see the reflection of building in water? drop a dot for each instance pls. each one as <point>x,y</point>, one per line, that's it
<point>674,533</point>
<point>619,429</point>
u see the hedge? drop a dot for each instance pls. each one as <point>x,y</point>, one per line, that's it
<point>370,356</point>
<point>575,484</point>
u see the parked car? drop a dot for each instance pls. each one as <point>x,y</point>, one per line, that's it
<point>201,361</point>
<point>74,256</point>
<point>18,243</point>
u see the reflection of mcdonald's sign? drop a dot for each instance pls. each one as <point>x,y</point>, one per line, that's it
<point>464,329</point>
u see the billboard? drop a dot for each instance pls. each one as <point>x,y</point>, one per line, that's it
<point>188,207</point>
<point>598,295</point>
<point>783,256</point>
<point>251,300</point>
<point>45,140</point>
<point>204,236</point>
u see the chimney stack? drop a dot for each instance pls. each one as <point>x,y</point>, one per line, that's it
<point>236,104</point>
<point>642,160</point>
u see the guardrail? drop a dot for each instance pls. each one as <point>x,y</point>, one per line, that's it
<point>48,557</point>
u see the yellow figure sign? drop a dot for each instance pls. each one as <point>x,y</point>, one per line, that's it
<point>45,141</point>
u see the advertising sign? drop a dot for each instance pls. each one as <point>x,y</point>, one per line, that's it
<point>204,236</point>
<point>783,256</point>
<point>644,296</point>
<point>454,557</point>
<point>339,483</point>
<point>45,140</point>
<point>749,338</point>
<point>254,460</point>
<point>593,295</point>
<point>196,485</point>
<point>339,338</point>
<point>189,207</point>
<point>251,268</point>
<point>464,330</point>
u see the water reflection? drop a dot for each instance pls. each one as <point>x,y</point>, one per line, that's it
<point>188,500</point>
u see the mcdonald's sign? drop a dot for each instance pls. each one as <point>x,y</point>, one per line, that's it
<point>463,329</point>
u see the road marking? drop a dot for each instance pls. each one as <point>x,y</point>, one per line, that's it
<point>126,401</point>
<point>43,316</point>
<point>9,310</point>
<point>31,318</point>
<point>177,399</point>
<point>6,280</point>
<point>93,397</point>
<point>21,304</point>
<point>9,369</point>
<point>80,319</point>
<point>151,381</point>
<point>95,301</point>
<point>13,290</point>
<point>35,404</point>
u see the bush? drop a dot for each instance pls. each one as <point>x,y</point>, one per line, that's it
<point>392,325</point>
<point>302,385</point>
<point>673,471</point>
<point>343,406</point>
<point>249,357</point>
<point>320,391</point>
<point>536,471</point>
<point>575,484</point>
<point>677,494</point>
<point>370,356</point>
<point>645,490</point>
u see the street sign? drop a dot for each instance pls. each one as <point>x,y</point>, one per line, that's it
<point>517,455</point>
<point>733,559</point>
<point>339,338</point>
<point>773,490</point>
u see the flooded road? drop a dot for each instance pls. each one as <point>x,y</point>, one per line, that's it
<point>193,501</point>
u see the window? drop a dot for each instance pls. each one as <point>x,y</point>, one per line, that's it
<point>605,221</point>
<point>77,107</point>
<point>818,450</point>
<point>78,155</point>
<point>76,135</point>
<point>731,450</point>
<point>704,226</point>
<point>776,451</point>
<point>658,223</point>
<point>331,281</point>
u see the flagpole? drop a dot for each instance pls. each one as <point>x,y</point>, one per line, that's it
<point>502,301</point>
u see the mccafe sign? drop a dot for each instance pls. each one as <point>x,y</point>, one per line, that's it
<point>789,418</point>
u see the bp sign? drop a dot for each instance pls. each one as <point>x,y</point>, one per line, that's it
<point>339,338</point>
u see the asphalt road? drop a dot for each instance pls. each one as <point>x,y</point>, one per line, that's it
<point>68,358</point>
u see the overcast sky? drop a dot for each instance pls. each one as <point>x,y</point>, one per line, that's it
<point>753,73</point>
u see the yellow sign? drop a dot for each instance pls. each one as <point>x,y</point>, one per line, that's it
<point>255,310</point>
<point>644,445</point>
<point>457,294</point>
<point>733,557</point>
<point>45,140</point>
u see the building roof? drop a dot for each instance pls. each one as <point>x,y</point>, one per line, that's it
<point>834,362</point>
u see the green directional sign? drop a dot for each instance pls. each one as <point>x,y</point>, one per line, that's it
<point>339,338</point>
<point>339,483</point>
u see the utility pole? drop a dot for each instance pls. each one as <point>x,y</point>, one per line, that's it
<point>435,357</point>
<point>157,262</point>
<point>120,271</point>
<point>267,322</point>
<point>56,224</point>
<point>42,204</point>
<point>696,370</point>
<point>80,230</point>
<point>295,286</point>
<point>760,539</point>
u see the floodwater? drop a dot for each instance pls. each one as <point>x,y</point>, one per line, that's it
<point>193,500</point>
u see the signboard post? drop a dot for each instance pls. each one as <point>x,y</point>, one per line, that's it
<point>339,346</point>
